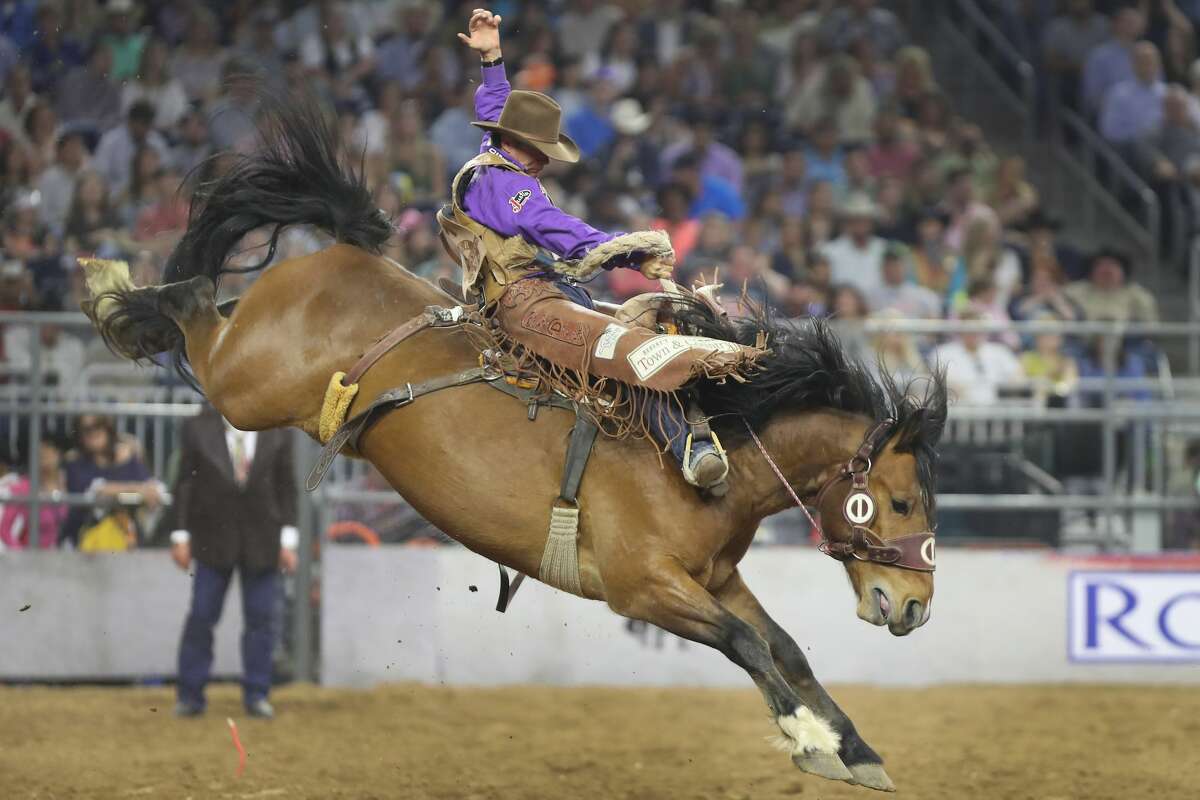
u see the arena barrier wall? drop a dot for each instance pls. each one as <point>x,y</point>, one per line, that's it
<point>394,613</point>
<point>100,616</point>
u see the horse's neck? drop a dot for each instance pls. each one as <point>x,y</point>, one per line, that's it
<point>808,447</point>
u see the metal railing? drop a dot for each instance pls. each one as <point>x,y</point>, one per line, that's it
<point>1108,179</point>
<point>968,29</point>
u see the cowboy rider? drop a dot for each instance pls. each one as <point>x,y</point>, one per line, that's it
<point>498,197</point>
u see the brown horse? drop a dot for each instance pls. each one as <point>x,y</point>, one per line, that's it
<point>474,465</point>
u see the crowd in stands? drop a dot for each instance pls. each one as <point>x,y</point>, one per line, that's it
<point>1130,68</point>
<point>801,151</point>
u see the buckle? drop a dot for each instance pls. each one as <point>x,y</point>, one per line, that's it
<point>446,316</point>
<point>400,402</point>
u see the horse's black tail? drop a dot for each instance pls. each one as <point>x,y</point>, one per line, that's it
<point>296,177</point>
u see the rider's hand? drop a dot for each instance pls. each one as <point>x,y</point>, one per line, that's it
<point>655,268</point>
<point>484,36</point>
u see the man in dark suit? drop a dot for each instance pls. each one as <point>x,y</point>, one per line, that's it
<point>234,506</point>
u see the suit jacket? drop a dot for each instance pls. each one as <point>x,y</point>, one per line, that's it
<point>233,525</point>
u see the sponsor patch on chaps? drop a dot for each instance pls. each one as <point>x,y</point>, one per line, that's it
<point>654,354</point>
<point>554,327</point>
<point>606,343</point>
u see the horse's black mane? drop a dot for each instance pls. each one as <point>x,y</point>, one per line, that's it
<point>807,368</point>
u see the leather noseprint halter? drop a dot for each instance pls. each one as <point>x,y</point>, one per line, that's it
<point>916,551</point>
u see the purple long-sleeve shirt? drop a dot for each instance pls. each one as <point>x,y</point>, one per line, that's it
<point>514,203</point>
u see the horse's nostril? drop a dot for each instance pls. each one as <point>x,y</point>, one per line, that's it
<point>912,613</point>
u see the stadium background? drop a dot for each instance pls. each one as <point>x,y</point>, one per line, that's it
<point>1007,187</point>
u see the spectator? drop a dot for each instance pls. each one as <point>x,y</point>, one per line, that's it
<point>933,262</point>
<point>41,131</point>
<point>1111,63</point>
<point>984,257</point>
<point>674,200</point>
<point>793,183</point>
<point>858,173</point>
<point>140,193</point>
<point>1045,298</point>
<point>856,257</point>
<point>192,145</point>
<point>339,55</point>
<point>899,294</point>
<point>584,27</point>
<point>159,225</point>
<point>933,119</point>
<point>88,95</point>
<point>114,157</point>
<point>964,209</point>
<point>56,184</point>
<point>18,100</point>
<point>1052,370</point>
<point>14,517</point>
<point>93,226</point>
<point>62,355</point>
<point>824,158</point>
<point>591,125</point>
<point>716,159</point>
<point>1067,41</point>
<point>976,369</point>
<point>1108,294</point>
<point>617,57</point>
<point>709,193</point>
<point>982,300</point>
<point>634,159</point>
<point>914,80</point>
<point>713,246</point>
<point>1043,248</point>
<point>258,48</point>
<point>791,257</point>
<point>896,353</point>
<point>25,237</point>
<point>154,85</point>
<point>848,311</point>
<point>197,63</point>
<point>110,469</point>
<point>1170,153</point>
<point>1012,197</point>
<point>801,64</point>
<point>232,117</point>
<point>54,51</point>
<point>820,214</point>
<point>235,507</point>
<point>123,37</point>
<point>836,91</point>
<point>453,132</point>
<point>862,19</point>
<point>1134,108</point>
<point>412,155</point>
<point>891,155</point>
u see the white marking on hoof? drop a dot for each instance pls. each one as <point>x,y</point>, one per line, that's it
<point>872,776</point>
<point>808,733</point>
<point>824,765</point>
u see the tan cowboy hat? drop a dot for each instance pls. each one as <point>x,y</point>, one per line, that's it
<point>535,120</point>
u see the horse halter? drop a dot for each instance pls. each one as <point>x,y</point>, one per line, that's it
<point>915,551</point>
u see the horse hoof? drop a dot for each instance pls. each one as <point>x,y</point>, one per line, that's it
<point>827,765</point>
<point>872,776</point>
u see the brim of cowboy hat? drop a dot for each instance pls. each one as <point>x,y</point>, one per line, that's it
<point>564,149</point>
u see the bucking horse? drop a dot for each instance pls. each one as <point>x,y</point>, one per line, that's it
<point>811,426</point>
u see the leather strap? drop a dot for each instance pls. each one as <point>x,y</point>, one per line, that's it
<point>583,436</point>
<point>431,317</point>
<point>352,429</point>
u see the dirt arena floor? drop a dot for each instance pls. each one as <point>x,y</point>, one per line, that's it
<point>405,741</point>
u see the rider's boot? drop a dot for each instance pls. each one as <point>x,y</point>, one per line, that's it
<point>697,449</point>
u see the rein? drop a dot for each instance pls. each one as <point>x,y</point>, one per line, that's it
<point>915,551</point>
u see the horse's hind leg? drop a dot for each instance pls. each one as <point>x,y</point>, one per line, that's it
<point>667,596</point>
<point>864,764</point>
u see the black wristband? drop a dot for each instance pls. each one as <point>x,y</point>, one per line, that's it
<point>496,63</point>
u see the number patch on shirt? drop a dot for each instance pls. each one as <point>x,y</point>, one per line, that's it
<point>518,200</point>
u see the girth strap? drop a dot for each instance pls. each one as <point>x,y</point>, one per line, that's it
<point>352,430</point>
<point>579,449</point>
<point>431,317</point>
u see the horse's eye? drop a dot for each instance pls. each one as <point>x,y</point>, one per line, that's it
<point>900,507</point>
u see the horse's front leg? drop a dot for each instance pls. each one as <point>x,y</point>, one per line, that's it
<point>667,596</point>
<point>864,764</point>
